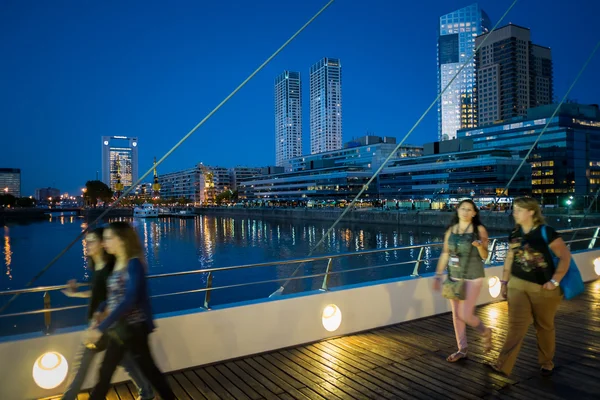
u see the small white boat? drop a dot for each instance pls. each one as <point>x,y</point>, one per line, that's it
<point>147,210</point>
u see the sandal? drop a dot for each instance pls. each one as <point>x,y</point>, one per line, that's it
<point>487,340</point>
<point>456,356</point>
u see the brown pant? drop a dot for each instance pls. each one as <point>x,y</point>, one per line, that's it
<point>527,300</point>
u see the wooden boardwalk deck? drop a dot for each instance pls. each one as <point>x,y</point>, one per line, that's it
<point>407,361</point>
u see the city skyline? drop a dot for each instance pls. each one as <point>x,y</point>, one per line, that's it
<point>81,71</point>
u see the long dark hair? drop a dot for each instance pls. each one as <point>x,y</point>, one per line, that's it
<point>130,239</point>
<point>109,259</point>
<point>475,221</point>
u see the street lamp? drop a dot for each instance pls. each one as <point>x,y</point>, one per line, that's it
<point>6,190</point>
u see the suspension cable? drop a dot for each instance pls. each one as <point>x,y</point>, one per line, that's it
<point>168,153</point>
<point>389,157</point>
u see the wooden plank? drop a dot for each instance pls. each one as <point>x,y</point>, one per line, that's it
<point>274,377</point>
<point>180,393</point>
<point>213,384</point>
<point>248,385</point>
<point>231,386</point>
<point>245,372</point>
<point>123,392</point>
<point>334,382</point>
<point>347,357</point>
<point>112,394</point>
<point>189,388</point>
<point>201,385</point>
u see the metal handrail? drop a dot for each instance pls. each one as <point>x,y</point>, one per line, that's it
<point>208,289</point>
<point>286,262</point>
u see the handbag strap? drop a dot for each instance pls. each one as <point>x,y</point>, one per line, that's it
<point>545,236</point>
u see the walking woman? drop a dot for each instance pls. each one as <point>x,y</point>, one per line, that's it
<point>102,265</point>
<point>465,248</point>
<point>129,316</point>
<point>531,284</point>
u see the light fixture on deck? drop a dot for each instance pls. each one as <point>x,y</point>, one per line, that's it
<point>494,285</point>
<point>597,266</point>
<point>332,317</point>
<point>50,370</point>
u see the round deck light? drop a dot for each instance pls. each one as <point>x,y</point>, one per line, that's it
<point>332,317</point>
<point>597,266</point>
<point>50,370</point>
<point>494,286</point>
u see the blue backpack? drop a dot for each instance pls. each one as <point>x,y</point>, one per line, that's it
<point>572,283</point>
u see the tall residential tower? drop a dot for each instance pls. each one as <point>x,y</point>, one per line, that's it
<point>326,106</point>
<point>457,108</point>
<point>513,75</point>
<point>288,117</point>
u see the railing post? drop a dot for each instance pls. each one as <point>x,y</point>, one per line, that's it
<point>325,285</point>
<point>488,260</point>
<point>415,273</point>
<point>593,240</point>
<point>208,290</point>
<point>47,314</point>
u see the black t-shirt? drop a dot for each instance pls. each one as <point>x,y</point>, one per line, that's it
<point>532,259</point>
<point>99,290</point>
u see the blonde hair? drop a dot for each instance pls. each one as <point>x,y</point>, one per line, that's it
<point>531,204</point>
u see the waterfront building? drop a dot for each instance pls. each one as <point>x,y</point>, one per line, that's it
<point>46,193</point>
<point>565,161</point>
<point>119,161</point>
<point>10,181</point>
<point>451,170</point>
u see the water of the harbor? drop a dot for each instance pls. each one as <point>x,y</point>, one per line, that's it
<point>178,245</point>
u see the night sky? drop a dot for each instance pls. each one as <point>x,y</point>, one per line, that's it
<point>72,71</point>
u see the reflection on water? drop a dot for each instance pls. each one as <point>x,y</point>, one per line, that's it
<point>177,245</point>
<point>7,254</point>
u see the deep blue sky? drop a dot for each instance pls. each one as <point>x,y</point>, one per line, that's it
<point>72,71</point>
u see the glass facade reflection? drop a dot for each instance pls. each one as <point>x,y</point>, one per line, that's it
<point>441,177</point>
<point>456,44</point>
<point>567,157</point>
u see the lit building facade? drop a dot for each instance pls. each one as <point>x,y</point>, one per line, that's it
<point>513,74</point>
<point>367,152</point>
<point>326,105</point>
<point>188,184</point>
<point>447,177</point>
<point>457,107</point>
<point>288,116</point>
<point>119,158</point>
<point>566,160</point>
<point>10,181</point>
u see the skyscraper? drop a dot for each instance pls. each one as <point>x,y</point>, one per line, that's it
<point>288,116</point>
<point>119,160</point>
<point>326,106</point>
<point>456,43</point>
<point>512,74</point>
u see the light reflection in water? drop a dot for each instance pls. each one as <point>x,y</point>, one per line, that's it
<point>7,253</point>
